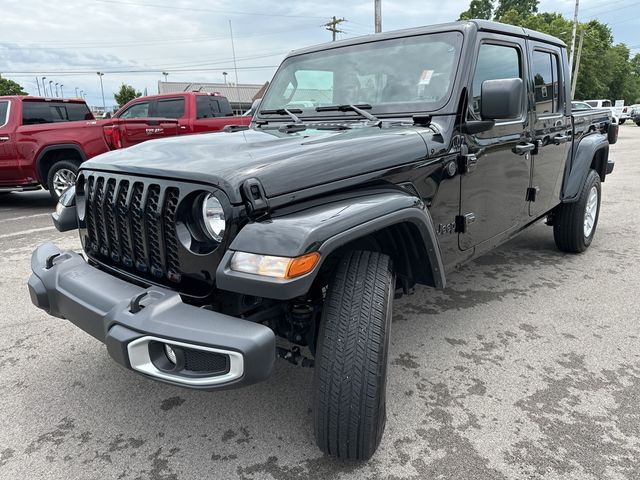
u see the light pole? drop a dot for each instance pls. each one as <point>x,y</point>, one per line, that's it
<point>224,74</point>
<point>56,89</point>
<point>51,88</point>
<point>166,74</point>
<point>104,106</point>
<point>76,92</point>
<point>44,86</point>
<point>38,83</point>
<point>61,92</point>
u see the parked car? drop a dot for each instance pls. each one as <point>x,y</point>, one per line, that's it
<point>43,141</point>
<point>170,114</point>
<point>414,152</point>
<point>606,104</point>
<point>635,114</point>
<point>580,106</point>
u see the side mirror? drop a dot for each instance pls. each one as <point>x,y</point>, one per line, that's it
<point>254,107</point>
<point>501,99</point>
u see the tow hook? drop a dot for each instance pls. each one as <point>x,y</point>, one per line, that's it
<point>294,356</point>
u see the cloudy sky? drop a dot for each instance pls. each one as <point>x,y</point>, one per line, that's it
<point>134,41</point>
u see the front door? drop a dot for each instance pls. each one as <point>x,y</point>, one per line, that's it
<point>493,194</point>
<point>551,126</point>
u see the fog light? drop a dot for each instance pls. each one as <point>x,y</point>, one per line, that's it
<point>171,355</point>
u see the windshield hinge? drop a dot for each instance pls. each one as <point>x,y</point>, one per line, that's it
<point>255,198</point>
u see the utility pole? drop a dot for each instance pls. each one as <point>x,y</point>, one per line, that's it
<point>573,35</point>
<point>378,15</point>
<point>332,26</point>
<point>38,83</point>
<point>574,80</point>
<point>104,106</point>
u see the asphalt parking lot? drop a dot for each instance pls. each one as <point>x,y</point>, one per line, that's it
<point>526,366</point>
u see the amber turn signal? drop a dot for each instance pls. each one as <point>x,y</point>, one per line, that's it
<point>301,265</point>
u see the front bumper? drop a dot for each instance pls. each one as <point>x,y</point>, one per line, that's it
<point>132,321</point>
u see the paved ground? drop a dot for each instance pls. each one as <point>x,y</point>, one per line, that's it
<point>527,366</point>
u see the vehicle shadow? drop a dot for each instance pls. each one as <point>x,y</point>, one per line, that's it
<point>39,200</point>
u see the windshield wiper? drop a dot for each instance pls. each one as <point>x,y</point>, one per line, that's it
<point>359,109</point>
<point>284,111</point>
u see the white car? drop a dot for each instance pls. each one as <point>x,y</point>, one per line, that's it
<point>606,104</point>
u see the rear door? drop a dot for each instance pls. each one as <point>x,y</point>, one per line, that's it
<point>552,131</point>
<point>9,167</point>
<point>493,194</point>
<point>172,109</point>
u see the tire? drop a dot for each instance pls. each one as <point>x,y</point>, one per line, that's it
<point>570,226</point>
<point>58,174</point>
<point>351,359</point>
<point>621,122</point>
<point>638,124</point>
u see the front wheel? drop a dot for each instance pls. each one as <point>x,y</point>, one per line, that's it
<point>575,223</point>
<point>351,358</point>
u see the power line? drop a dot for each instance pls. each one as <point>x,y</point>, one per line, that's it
<point>22,73</point>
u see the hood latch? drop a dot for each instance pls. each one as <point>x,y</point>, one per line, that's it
<point>255,198</point>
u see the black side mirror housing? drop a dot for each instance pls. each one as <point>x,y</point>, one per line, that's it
<point>501,99</point>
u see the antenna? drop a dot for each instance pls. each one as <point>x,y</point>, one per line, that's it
<point>235,65</point>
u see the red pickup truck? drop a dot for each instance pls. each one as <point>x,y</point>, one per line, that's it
<point>170,114</point>
<point>44,140</point>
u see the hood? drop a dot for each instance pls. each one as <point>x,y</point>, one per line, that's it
<point>283,163</point>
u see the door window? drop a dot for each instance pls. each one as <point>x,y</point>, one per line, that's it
<point>546,82</point>
<point>137,110</point>
<point>494,62</point>
<point>172,108</point>
<point>4,111</point>
<point>207,107</point>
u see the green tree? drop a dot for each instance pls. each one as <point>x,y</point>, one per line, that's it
<point>9,87</point>
<point>521,7</point>
<point>478,9</point>
<point>126,94</point>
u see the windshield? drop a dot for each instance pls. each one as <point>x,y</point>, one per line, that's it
<point>393,76</point>
<point>4,109</point>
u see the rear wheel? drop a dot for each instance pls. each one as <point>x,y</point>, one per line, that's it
<point>575,223</point>
<point>351,357</point>
<point>62,175</point>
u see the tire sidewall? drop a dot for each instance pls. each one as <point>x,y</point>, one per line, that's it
<point>592,180</point>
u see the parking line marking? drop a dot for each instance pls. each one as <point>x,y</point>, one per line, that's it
<point>26,232</point>
<point>24,217</point>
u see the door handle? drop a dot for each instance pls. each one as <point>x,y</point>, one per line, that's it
<point>4,138</point>
<point>559,139</point>
<point>523,148</point>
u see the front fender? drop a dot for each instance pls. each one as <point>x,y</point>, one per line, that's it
<point>324,229</point>
<point>577,170</point>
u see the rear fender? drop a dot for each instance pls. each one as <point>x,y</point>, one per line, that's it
<point>591,153</point>
<point>326,228</point>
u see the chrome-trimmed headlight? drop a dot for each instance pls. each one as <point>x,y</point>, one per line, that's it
<point>213,217</point>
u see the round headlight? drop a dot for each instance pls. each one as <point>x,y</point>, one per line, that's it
<point>213,217</point>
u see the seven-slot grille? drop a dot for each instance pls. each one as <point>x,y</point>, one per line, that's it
<point>131,224</point>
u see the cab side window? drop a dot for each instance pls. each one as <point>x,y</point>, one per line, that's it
<point>137,110</point>
<point>546,82</point>
<point>207,107</point>
<point>494,62</point>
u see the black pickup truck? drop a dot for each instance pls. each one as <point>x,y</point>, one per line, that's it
<point>371,165</point>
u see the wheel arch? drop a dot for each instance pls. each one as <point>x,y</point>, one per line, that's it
<point>53,153</point>
<point>392,222</point>
<point>592,152</point>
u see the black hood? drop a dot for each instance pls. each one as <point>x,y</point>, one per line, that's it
<point>283,163</point>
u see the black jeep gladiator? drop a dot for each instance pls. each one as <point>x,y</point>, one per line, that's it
<point>371,165</point>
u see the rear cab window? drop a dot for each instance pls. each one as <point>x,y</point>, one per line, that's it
<point>546,81</point>
<point>4,113</point>
<point>36,112</point>
<point>170,108</point>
